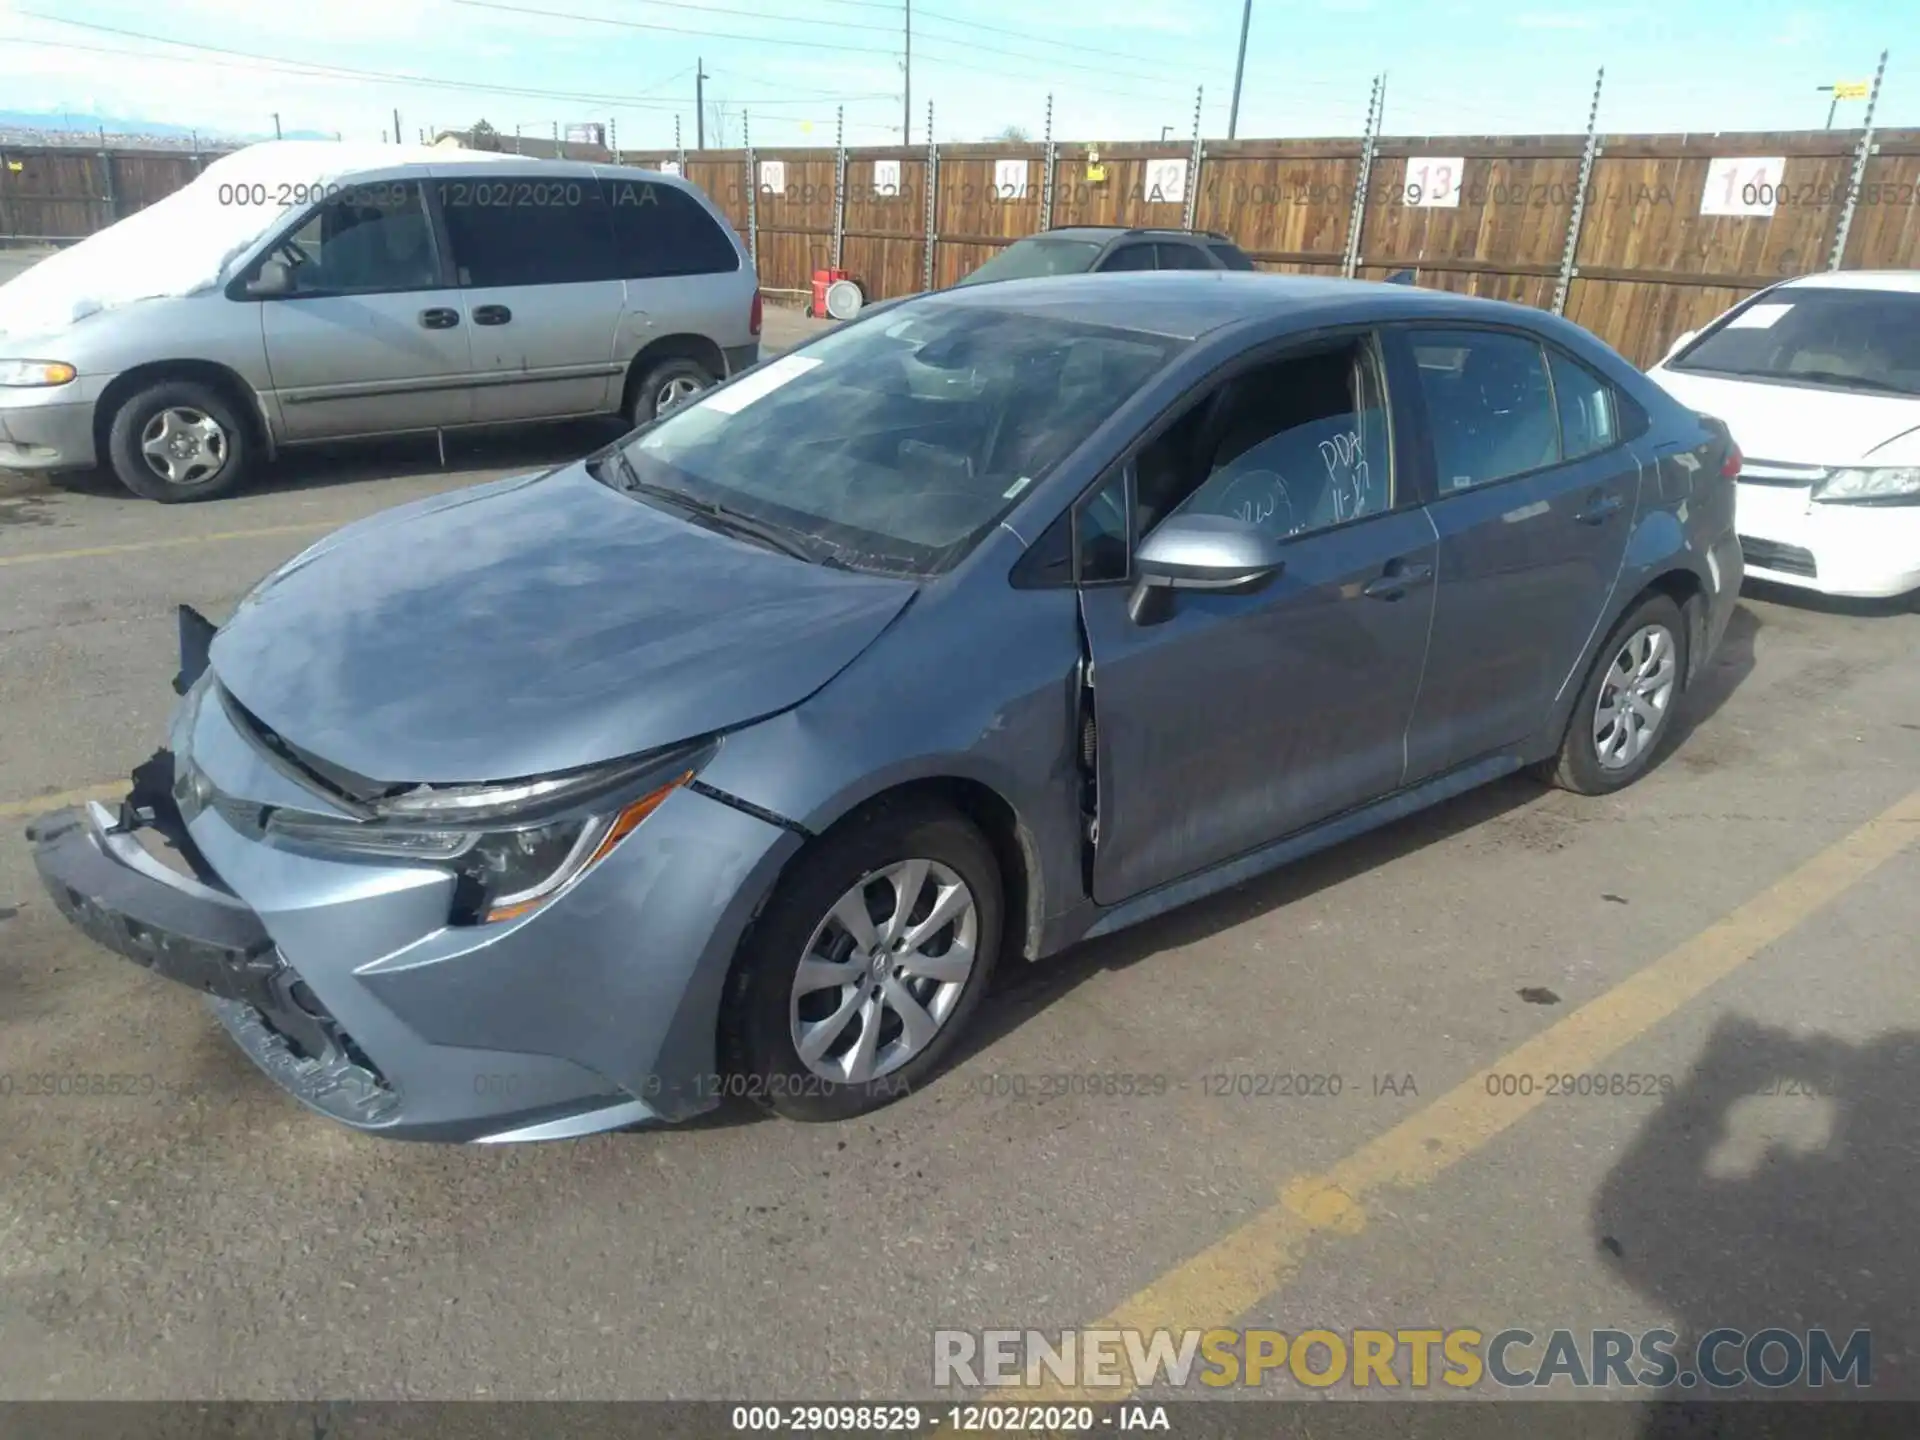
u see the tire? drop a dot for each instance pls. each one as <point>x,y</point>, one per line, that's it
<point>660,381</point>
<point>215,446</point>
<point>1598,757</point>
<point>769,1012</point>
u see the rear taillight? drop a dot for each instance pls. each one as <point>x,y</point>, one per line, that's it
<point>753,320</point>
<point>1730,470</point>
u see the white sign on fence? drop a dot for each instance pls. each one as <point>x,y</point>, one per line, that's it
<point>669,167</point>
<point>1742,185</point>
<point>1166,182</point>
<point>1010,179</point>
<point>773,176</point>
<point>1433,181</point>
<point>886,177</point>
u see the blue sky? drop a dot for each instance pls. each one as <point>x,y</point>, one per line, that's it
<point>1117,69</point>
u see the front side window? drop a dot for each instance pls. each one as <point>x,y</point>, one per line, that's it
<point>527,229</point>
<point>897,443</point>
<point>1028,259</point>
<point>1294,446</point>
<point>1488,404</point>
<point>1129,257</point>
<point>376,238</point>
<point>1826,337</point>
<point>660,230</point>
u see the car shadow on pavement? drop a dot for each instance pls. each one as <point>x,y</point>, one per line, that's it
<point>1731,664</point>
<point>1815,603</point>
<point>1774,1188</point>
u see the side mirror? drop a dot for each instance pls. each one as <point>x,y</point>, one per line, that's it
<point>1681,344</point>
<point>275,278</point>
<point>1220,553</point>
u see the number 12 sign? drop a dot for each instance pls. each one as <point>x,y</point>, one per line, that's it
<point>1434,181</point>
<point>1742,185</point>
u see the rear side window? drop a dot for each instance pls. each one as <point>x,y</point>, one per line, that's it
<point>1489,404</point>
<point>659,229</point>
<point>1585,405</point>
<point>1231,256</point>
<point>527,230</point>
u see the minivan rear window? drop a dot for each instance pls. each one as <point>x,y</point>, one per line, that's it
<point>527,229</point>
<point>659,229</point>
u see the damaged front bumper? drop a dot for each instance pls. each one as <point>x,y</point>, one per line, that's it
<point>345,980</point>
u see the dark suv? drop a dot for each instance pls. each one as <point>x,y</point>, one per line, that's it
<point>1085,249</point>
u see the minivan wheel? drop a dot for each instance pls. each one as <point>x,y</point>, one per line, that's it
<point>179,440</point>
<point>666,385</point>
<point>1625,713</point>
<point>866,964</point>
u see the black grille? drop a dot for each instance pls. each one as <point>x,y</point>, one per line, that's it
<point>1771,555</point>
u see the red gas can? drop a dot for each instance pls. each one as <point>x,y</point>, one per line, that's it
<point>821,280</point>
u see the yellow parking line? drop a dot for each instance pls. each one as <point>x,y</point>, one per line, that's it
<point>36,557</point>
<point>62,799</point>
<point>1234,1274</point>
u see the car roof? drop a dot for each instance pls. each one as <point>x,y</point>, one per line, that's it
<point>1111,232</point>
<point>1186,304</point>
<point>1905,281</point>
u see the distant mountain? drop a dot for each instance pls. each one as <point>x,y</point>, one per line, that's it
<point>86,123</point>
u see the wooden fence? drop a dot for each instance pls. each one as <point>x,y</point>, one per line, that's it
<point>1638,261</point>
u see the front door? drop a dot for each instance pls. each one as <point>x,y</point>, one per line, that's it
<point>540,292</point>
<point>369,341</point>
<point>1237,719</point>
<point>1534,498</point>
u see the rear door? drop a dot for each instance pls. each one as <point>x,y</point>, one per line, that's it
<point>1534,493</point>
<point>533,256</point>
<point>1236,719</point>
<point>372,339</point>
<point>680,271</point>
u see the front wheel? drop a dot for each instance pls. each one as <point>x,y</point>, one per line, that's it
<point>866,964</point>
<point>1625,712</point>
<point>179,440</point>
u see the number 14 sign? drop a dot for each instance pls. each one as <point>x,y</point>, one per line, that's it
<point>1742,185</point>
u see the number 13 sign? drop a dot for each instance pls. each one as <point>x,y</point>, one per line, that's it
<point>1434,181</point>
<point>1742,186</point>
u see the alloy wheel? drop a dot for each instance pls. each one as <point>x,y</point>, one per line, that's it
<point>1635,697</point>
<point>883,971</point>
<point>677,391</point>
<point>184,446</point>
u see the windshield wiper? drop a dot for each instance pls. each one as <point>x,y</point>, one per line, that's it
<point>715,515</point>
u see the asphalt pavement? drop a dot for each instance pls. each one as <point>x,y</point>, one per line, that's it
<point>1737,931</point>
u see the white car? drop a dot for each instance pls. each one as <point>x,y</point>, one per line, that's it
<point>1819,380</point>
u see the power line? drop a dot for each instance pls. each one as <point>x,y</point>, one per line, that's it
<point>672,29</point>
<point>322,70</point>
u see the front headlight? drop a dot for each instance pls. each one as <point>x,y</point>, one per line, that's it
<point>36,372</point>
<point>1883,485</point>
<point>513,847</point>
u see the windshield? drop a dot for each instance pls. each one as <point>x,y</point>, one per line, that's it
<point>1029,258</point>
<point>897,443</point>
<point>1864,340</point>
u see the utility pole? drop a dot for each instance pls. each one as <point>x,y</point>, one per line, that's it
<point>276,125</point>
<point>396,128</point>
<point>906,86</point>
<point>699,104</point>
<point>1239,69</point>
<point>1833,90</point>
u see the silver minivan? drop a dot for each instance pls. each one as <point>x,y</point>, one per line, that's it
<point>300,291</point>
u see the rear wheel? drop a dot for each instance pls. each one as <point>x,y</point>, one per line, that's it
<point>179,440</point>
<point>866,964</point>
<point>666,385</point>
<point>1625,713</point>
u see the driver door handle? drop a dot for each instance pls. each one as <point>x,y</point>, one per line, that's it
<point>439,318</point>
<point>1398,578</point>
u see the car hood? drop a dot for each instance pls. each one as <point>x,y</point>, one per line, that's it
<point>1797,424</point>
<point>535,625</point>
